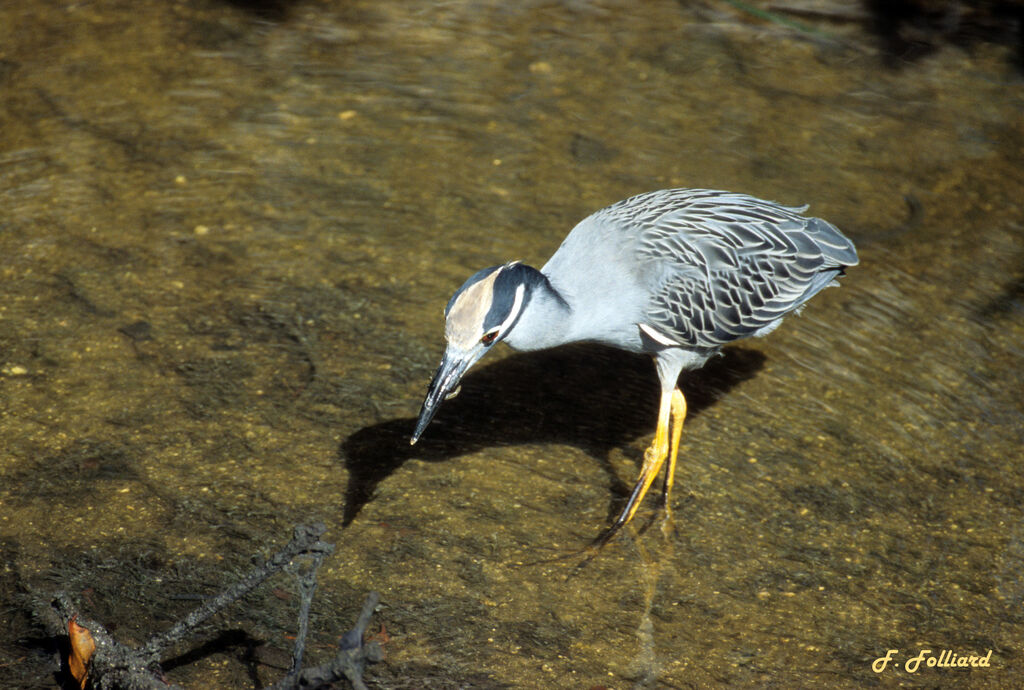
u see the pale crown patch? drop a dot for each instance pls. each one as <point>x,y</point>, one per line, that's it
<point>465,323</point>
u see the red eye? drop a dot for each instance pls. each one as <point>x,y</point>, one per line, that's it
<point>489,338</point>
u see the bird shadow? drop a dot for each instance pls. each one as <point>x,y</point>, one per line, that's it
<point>589,396</point>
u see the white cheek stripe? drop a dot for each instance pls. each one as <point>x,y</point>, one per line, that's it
<point>517,304</point>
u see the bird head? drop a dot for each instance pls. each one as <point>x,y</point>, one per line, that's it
<point>478,316</point>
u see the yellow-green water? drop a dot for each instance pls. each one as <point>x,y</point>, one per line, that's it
<point>226,238</point>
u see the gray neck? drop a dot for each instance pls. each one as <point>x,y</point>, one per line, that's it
<point>545,319</point>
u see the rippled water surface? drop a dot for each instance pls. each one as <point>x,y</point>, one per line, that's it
<point>226,236</point>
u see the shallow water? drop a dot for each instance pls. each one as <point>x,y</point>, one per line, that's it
<point>226,240</point>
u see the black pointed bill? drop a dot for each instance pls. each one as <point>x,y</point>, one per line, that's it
<point>444,385</point>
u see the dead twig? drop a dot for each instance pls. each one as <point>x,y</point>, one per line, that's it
<point>111,665</point>
<point>350,660</point>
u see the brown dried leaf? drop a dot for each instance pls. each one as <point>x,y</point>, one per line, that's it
<point>82,648</point>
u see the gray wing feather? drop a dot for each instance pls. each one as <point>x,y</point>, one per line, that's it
<point>724,266</point>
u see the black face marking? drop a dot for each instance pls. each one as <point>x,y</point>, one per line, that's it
<point>504,296</point>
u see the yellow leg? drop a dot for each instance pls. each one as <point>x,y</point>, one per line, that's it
<point>654,458</point>
<point>678,416</point>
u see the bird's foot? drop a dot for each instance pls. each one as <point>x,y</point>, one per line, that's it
<point>668,524</point>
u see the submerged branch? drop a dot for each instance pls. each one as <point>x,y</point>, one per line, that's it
<point>305,540</point>
<point>111,664</point>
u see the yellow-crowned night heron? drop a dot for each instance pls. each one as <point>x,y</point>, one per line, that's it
<point>676,274</point>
